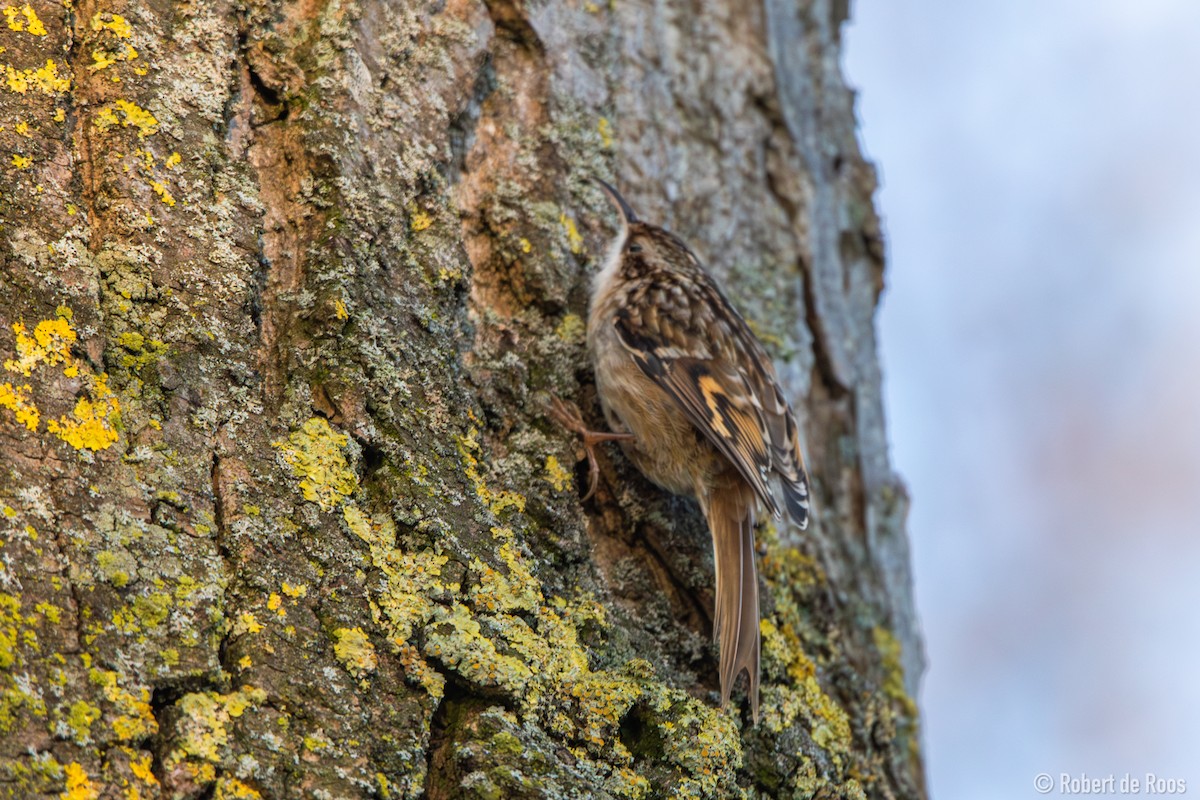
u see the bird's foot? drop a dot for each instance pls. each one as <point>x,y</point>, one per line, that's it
<point>568,416</point>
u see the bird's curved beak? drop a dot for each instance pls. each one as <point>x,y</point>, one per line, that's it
<point>618,201</point>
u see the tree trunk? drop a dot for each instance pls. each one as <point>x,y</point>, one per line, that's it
<point>287,287</point>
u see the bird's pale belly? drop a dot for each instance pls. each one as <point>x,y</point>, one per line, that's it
<point>667,448</point>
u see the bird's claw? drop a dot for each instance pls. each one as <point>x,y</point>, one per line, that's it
<point>567,415</point>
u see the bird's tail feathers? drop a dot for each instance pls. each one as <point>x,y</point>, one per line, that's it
<point>730,512</point>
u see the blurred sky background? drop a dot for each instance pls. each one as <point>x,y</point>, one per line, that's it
<point>1040,165</point>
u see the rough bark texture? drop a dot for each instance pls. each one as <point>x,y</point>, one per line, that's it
<point>285,289</point>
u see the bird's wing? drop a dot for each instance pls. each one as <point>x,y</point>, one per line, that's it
<point>687,338</point>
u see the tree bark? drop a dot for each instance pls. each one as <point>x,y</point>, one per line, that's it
<point>287,287</point>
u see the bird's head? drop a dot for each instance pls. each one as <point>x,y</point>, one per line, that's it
<point>646,244</point>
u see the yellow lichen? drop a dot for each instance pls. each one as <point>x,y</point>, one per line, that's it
<point>501,631</point>
<point>22,128</point>
<point>163,193</point>
<point>16,399</point>
<point>246,623</point>
<point>124,51</point>
<point>339,309</point>
<point>315,455</point>
<point>127,114</point>
<point>114,22</point>
<point>30,24</point>
<point>457,640</point>
<point>142,769</point>
<point>419,220</point>
<point>229,788</point>
<point>17,81</point>
<point>127,728</point>
<point>79,785</point>
<point>51,612</point>
<point>21,162</point>
<point>353,648</point>
<point>407,598</point>
<point>555,475</point>
<point>407,602</point>
<point>94,423</point>
<point>115,567</point>
<point>50,344</point>
<point>152,609</point>
<point>135,718</point>
<point>102,59</point>
<point>605,130</point>
<point>45,79</point>
<point>358,522</point>
<point>574,240</point>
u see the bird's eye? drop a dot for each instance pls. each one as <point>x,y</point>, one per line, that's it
<point>635,248</point>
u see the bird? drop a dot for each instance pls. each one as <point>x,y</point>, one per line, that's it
<point>693,399</point>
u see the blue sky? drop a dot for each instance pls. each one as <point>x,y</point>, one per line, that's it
<point>1041,345</point>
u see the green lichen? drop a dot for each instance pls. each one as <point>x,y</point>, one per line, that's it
<point>413,583</point>
<point>152,609</point>
<point>202,736</point>
<point>571,329</point>
<point>893,683</point>
<point>116,567</point>
<point>802,698</point>
<point>139,351</point>
<point>78,720</point>
<point>498,502</point>
<point>20,647</point>
<point>353,648</point>
<point>507,636</point>
<point>37,774</point>
<point>315,454</point>
<point>10,622</point>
